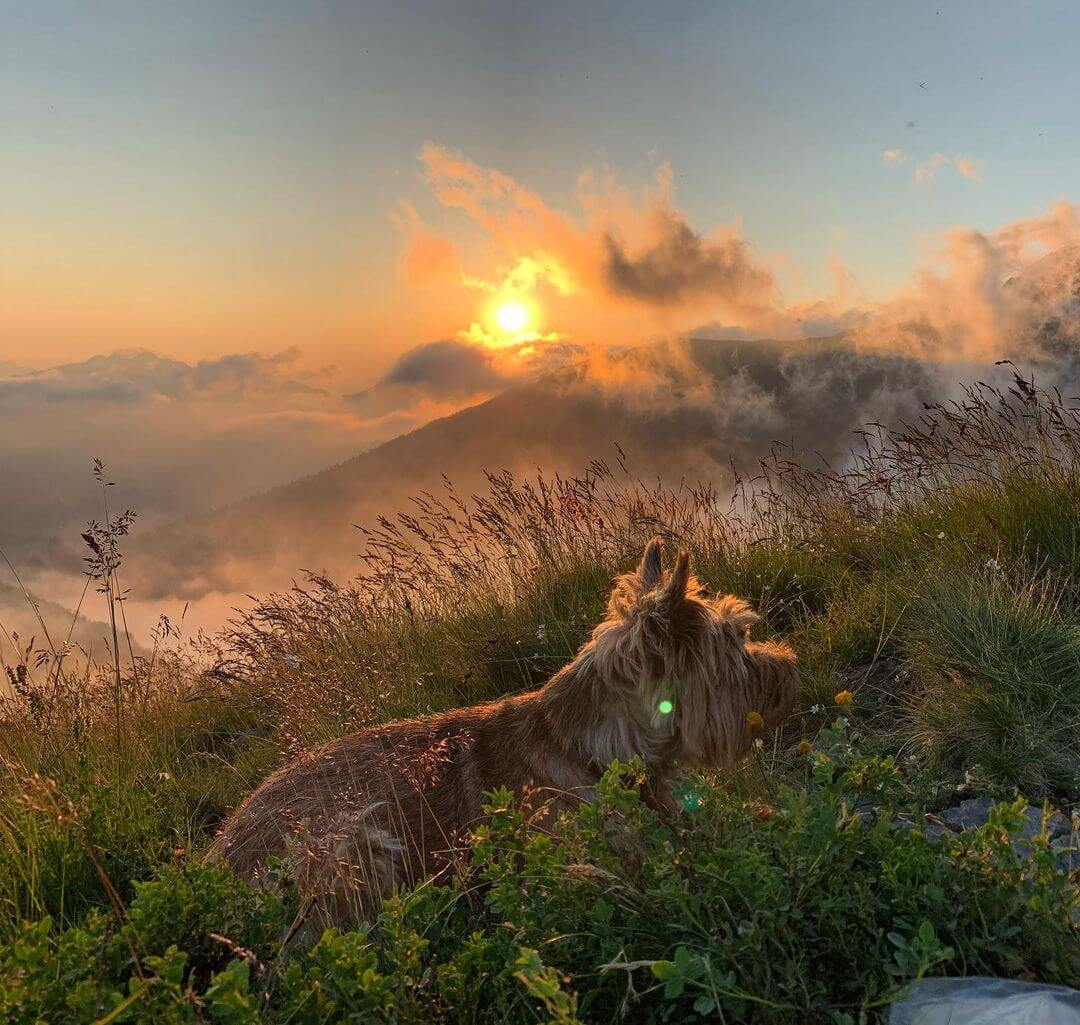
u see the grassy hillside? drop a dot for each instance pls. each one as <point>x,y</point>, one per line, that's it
<point>930,591</point>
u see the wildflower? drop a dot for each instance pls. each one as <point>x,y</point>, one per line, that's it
<point>804,747</point>
<point>164,777</point>
<point>845,697</point>
<point>178,852</point>
<point>993,565</point>
<point>541,633</point>
<point>816,709</point>
<point>759,743</point>
<point>941,535</point>
<point>292,661</point>
<point>754,719</point>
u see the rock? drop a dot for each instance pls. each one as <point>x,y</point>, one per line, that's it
<point>935,831</point>
<point>967,815</point>
<point>1056,825</point>
<point>976,812</point>
<point>866,809</point>
<point>904,821</point>
<point>1064,840</point>
<point>1066,853</point>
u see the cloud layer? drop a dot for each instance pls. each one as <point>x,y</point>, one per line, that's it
<point>180,437</point>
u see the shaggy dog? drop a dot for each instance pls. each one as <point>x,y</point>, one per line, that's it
<point>669,677</point>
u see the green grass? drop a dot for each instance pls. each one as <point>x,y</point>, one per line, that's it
<point>999,670</point>
<point>936,580</point>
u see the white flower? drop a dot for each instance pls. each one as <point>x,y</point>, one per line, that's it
<point>993,565</point>
<point>292,661</point>
<point>164,777</point>
<point>759,743</point>
<point>941,535</point>
<point>815,709</point>
<point>541,633</point>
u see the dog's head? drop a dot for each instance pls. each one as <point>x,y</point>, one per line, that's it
<point>695,675</point>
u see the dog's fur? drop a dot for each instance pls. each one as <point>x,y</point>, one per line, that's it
<point>386,805</point>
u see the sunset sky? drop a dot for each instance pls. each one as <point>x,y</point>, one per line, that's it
<point>356,179</point>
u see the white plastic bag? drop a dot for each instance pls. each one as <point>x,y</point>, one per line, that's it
<point>983,1001</point>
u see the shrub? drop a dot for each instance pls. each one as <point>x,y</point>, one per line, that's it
<point>792,911</point>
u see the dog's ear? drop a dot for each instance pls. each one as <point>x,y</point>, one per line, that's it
<point>675,588</point>
<point>650,569</point>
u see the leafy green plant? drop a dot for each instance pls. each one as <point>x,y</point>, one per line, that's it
<point>797,910</point>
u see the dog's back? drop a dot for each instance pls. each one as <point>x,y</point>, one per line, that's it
<point>388,805</point>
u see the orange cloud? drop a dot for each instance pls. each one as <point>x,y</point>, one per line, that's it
<point>427,259</point>
<point>965,167</point>
<point>985,295</point>
<point>620,251</point>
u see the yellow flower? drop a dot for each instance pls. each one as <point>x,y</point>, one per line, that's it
<point>754,719</point>
<point>845,697</point>
<point>804,747</point>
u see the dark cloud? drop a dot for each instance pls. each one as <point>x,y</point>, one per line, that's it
<point>446,369</point>
<point>440,376</point>
<point>252,370</point>
<point>431,379</point>
<point>679,265</point>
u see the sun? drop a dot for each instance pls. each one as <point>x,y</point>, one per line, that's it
<point>512,317</point>
<point>509,318</point>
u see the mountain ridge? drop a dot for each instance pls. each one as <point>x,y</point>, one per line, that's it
<point>679,409</point>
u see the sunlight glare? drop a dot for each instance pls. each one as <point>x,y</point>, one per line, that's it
<point>512,317</point>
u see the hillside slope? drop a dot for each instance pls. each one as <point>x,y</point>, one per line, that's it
<point>685,410</point>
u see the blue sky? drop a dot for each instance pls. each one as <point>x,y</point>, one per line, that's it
<point>207,176</point>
